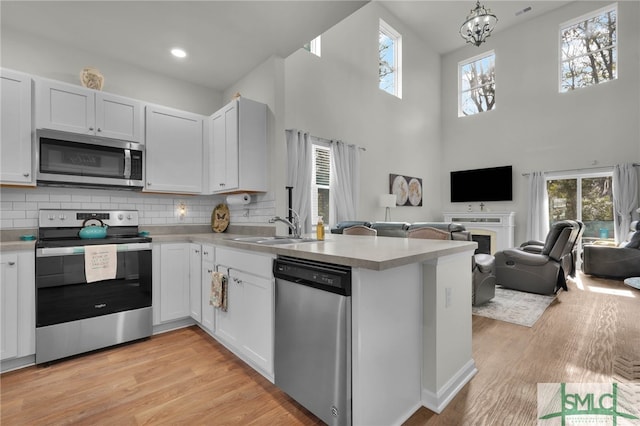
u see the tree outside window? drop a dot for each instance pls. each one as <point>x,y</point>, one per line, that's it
<point>477,84</point>
<point>585,198</point>
<point>389,59</point>
<point>589,50</point>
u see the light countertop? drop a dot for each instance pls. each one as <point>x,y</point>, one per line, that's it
<point>376,253</point>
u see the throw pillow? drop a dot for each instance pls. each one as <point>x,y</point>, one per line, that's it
<point>635,241</point>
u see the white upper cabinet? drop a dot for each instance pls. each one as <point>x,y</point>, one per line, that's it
<point>238,147</point>
<point>16,127</point>
<point>71,108</point>
<point>174,151</point>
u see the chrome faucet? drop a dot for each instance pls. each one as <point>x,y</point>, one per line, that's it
<point>294,225</point>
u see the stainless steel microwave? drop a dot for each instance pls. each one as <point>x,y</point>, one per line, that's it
<point>70,159</point>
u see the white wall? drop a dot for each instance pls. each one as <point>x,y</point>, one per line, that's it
<point>336,96</point>
<point>45,58</point>
<point>533,127</point>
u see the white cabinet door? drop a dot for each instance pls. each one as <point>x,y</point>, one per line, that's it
<point>229,323</point>
<point>118,117</point>
<point>174,281</point>
<point>257,326</point>
<point>15,128</point>
<point>9,306</point>
<point>208,314</point>
<point>195,282</point>
<point>174,151</point>
<point>238,147</point>
<point>71,108</point>
<point>224,148</point>
<point>65,107</point>
<point>247,326</point>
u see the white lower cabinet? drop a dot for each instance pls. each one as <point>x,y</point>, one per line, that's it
<point>171,294</point>
<point>247,326</point>
<point>17,304</point>
<point>195,290</point>
<point>207,268</point>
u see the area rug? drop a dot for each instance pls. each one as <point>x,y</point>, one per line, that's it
<point>517,307</point>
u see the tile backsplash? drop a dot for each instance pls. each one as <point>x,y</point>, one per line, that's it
<point>19,207</point>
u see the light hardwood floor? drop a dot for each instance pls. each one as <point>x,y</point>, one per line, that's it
<point>186,377</point>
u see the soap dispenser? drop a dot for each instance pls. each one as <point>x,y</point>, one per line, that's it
<point>320,229</point>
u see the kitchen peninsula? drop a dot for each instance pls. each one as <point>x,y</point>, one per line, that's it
<point>411,317</point>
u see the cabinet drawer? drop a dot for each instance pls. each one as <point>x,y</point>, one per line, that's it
<point>257,264</point>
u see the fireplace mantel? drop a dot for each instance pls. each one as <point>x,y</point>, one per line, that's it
<point>500,225</point>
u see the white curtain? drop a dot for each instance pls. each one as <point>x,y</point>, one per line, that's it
<point>538,212</point>
<point>625,198</point>
<point>299,168</point>
<point>344,188</point>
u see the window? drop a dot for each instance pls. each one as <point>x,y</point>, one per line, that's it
<point>390,59</point>
<point>314,46</point>
<point>320,179</point>
<point>588,47</point>
<point>477,84</point>
<point>587,198</point>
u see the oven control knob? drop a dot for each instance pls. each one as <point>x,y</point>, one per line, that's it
<point>129,217</point>
<point>51,217</point>
<point>62,217</point>
<point>120,216</point>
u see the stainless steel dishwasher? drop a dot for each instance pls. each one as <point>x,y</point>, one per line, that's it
<point>312,359</point>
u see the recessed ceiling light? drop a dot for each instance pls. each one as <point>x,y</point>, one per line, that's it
<point>178,53</point>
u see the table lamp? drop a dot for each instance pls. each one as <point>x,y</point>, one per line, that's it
<point>387,201</point>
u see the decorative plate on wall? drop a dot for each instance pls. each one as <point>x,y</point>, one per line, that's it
<point>220,218</point>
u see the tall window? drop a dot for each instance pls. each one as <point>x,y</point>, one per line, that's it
<point>390,59</point>
<point>320,180</point>
<point>314,46</point>
<point>477,84</point>
<point>588,47</point>
<point>587,198</point>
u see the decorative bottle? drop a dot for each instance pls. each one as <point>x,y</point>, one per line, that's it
<point>320,229</point>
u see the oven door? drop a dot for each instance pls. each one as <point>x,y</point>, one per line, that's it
<point>63,295</point>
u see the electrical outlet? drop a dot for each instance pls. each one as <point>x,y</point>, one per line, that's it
<point>447,297</point>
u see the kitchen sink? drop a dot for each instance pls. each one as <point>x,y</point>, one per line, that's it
<point>269,241</point>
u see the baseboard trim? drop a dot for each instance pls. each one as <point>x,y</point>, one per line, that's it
<point>437,402</point>
<point>173,325</point>
<point>17,363</point>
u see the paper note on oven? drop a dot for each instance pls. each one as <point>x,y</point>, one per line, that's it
<point>100,262</point>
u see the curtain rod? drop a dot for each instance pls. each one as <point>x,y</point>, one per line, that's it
<point>327,140</point>
<point>579,170</point>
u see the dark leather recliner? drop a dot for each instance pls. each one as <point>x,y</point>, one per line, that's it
<point>391,229</point>
<point>544,272</point>
<point>614,262</point>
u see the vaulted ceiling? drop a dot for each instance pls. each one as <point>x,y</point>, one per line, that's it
<point>227,39</point>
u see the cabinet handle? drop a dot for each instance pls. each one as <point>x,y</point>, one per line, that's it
<point>26,174</point>
<point>210,271</point>
<point>222,184</point>
<point>148,183</point>
<point>197,251</point>
<point>91,128</point>
<point>206,253</point>
<point>99,129</point>
<point>12,263</point>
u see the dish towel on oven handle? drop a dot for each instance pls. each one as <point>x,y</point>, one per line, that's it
<point>100,262</point>
<point>218,297</point>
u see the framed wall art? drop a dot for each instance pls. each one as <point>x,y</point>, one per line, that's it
<point>407,189</point>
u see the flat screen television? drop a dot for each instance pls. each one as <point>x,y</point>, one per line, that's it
<point>491,184</point>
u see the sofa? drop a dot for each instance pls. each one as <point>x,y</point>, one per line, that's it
<point>483,277</point>
<point>618,262</point>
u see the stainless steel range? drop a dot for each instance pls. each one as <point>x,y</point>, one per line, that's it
<point>76,315</point>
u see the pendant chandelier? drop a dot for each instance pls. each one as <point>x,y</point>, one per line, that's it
<point>478,25</point>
